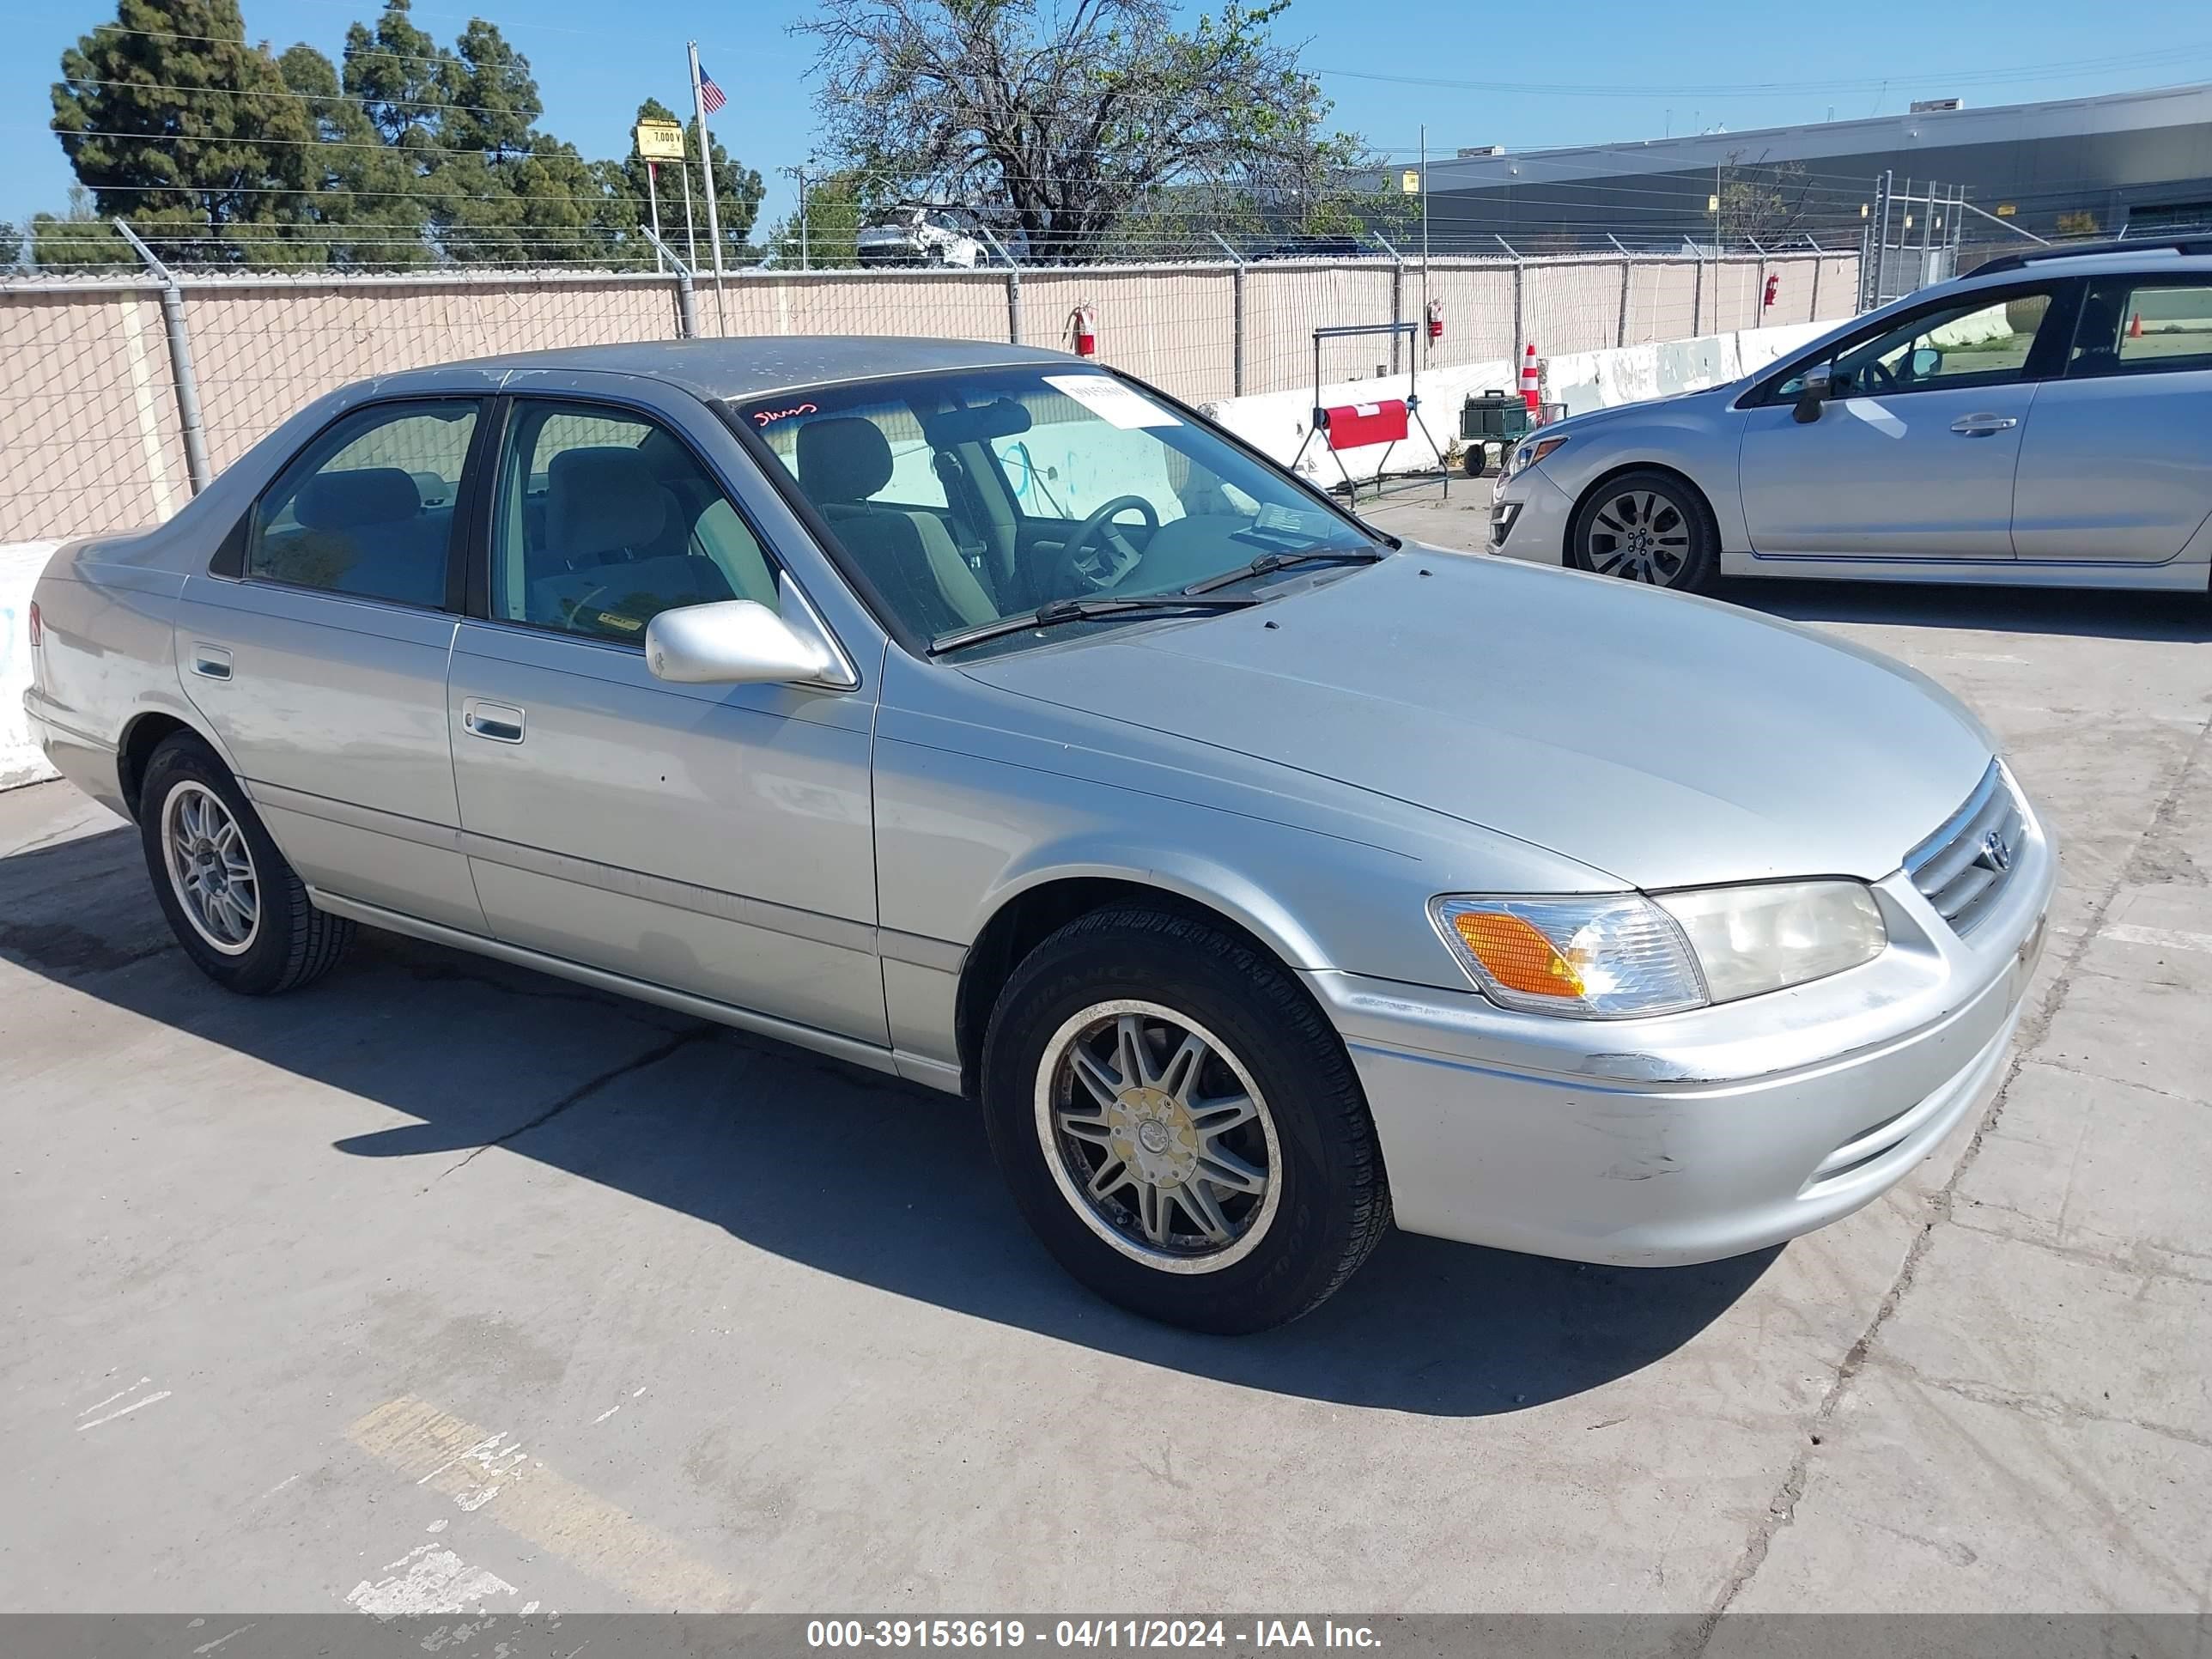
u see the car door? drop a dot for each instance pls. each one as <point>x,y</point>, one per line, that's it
<point>315,647</point>
<point>716,839</point>
<point>1914,454</point>
<point>2113,467</point>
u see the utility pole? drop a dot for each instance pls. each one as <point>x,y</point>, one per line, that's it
<point>1424,243</point>
<point>799,176</point>
<point>691,236</point>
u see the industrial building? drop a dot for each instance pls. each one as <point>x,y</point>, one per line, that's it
<point>2127,162</point>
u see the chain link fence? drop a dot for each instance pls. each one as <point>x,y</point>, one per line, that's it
<point>119,385</point>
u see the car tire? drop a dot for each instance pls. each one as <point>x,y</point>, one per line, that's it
<point>236,907</point>
<point>1646,525</point>
<point>1206,1249</point>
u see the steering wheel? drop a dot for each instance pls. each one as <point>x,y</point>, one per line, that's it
<point>1884,376</point>
<point>1114,558</point>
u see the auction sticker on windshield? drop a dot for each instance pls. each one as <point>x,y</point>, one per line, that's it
<point>1111,400</point>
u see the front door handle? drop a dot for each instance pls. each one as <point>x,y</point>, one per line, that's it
<point>500,722</point>
<point>211,661</point>
<point>1982,426</point>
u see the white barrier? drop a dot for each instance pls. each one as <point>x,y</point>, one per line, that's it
<point>20,565</point>
<point>1275,422</point>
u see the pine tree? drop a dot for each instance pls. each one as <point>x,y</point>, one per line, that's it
<point>175,123</point>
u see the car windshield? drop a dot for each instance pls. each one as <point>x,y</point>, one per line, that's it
<point>967,499</point>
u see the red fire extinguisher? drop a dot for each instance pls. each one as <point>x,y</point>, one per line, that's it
<point>1773,287</point>
<point>1083,330</point>
<point>1436,319</point>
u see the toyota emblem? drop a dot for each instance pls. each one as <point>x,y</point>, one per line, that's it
<point>1995,854</point>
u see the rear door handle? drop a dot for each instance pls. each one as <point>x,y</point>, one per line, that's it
<point>212,661</point>
<point>500,722</point>
<point>1981,426</point>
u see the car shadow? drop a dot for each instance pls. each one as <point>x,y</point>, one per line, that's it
<point>916,1209</point>
<point>2101,614</point>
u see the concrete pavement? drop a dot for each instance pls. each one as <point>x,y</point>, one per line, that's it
<point>444,1285</point>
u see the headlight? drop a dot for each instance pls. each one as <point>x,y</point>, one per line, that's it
<point>1613,956</point>
<point>1530,451</point>
<point>1777,934</point>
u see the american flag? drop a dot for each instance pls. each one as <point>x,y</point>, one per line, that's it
<point>710,96</point>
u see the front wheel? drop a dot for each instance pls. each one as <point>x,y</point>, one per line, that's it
<point>1179,1125</point>
<point>1648,526</point>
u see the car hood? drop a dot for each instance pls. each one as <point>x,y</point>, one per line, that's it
<point>1664,740</point>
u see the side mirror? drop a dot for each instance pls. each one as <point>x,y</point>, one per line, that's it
<point>1927,363</point>
<point>733,643</point>
<point>1813,391</point>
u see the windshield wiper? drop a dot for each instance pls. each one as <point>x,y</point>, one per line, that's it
<point>1056,611</point>
<point>1269,562</point>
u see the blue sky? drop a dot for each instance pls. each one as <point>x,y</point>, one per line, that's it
<point>1635,70</point>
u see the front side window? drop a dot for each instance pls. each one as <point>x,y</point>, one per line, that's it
<point>1973,341</point>
<point>969,498</point>
<point>367,510</point>
<point>2131,326</point>
<point>604,519</point>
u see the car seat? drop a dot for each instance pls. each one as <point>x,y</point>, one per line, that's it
<point>362,530</point>
<point>843,460</point>
<point>614,554</point>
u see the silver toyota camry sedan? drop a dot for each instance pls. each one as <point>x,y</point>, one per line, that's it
<point>979,715</point>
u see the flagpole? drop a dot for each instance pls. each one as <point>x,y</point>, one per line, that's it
<point>707,172</point>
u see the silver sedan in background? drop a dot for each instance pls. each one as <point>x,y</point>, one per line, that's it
<point>2043,421</point>
<point>979,715</point>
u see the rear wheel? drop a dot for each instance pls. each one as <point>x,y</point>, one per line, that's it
<point>238,910</point>
<point>1648,526</point>
<point>1179,1125</point>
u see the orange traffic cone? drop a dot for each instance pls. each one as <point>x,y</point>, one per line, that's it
<point>1530,393</point>
<point>2135,326</point>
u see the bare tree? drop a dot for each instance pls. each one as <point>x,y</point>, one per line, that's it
<point>1070,116</point>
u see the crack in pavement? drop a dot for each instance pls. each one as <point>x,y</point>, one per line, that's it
<point>2162,1262</point>
<point>1782,1508</point>
<point>2045,1407</point>
<point>581,1092</point>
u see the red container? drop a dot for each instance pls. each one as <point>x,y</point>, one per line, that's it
<point>1353,426</point>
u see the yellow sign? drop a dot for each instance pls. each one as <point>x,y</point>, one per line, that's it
<point>1713,204</point>
<point>660,141</point>
<point>2006,210</point>
<point>1410,181</point>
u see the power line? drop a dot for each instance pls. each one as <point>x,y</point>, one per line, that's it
<point>1767,89</point>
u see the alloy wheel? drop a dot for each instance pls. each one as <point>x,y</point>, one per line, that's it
<point>1157,1137</point>
<point>210,868</point>
<point>1641,534</point>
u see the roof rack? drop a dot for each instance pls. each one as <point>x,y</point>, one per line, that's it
<point>2198,244</point>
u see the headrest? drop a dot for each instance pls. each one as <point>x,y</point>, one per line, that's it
<point>599,501</point>
<point>843,458</point>
<point>355,500</point>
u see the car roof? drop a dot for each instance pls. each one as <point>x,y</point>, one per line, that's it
<point>759,364</point>
<point>2186,255</point>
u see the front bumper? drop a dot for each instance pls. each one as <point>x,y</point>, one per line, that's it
<point>1528,517</point>
<point>1692,1137</point>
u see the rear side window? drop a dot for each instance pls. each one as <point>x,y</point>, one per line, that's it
<point>2131,326</point>
<point>367,508</point>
